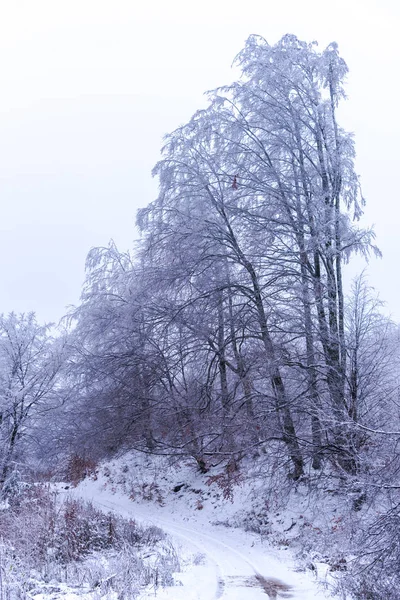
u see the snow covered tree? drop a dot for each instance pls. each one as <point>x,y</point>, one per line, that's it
<point>262,185</point>
<point>30,362</point>
<point>228,330</point>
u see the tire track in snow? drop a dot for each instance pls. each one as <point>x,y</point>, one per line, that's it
<point>118,508</point>
<point>232,576</point>
<point>232,569</point>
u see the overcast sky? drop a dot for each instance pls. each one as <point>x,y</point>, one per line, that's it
<point>89,87</point>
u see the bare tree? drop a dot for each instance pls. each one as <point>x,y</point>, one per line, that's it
<point>30,362</point>
<point>240,265</point>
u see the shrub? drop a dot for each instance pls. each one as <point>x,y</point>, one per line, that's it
<point>79,467</point>
<point>74,543</point>
<point>227,480</point>
<point>374,573</point>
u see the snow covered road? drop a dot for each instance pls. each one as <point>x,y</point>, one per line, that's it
<point>229,564</point>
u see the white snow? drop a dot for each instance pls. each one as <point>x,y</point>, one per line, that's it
<point>218,562</point>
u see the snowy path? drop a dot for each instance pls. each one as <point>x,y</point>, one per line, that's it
<point>234,565</point>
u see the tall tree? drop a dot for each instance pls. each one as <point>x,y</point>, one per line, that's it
<point>30,362</point>
<point>264,180</point>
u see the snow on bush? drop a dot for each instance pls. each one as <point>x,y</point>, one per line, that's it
<point>374,569</point>
<point>79,467</point>
<point>52,547</point>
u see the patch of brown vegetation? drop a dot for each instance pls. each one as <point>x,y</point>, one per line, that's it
<point>274,587</point>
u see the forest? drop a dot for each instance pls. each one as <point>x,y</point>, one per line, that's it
<point>228,334</point>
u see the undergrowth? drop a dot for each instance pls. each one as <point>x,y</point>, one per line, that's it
<point>46,543</point>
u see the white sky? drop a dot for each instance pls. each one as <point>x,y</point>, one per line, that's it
<point>89,87</point>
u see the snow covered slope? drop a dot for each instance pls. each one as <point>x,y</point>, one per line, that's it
<point>218,561</point>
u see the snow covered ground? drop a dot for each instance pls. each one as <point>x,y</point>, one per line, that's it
<point>217,561</point>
